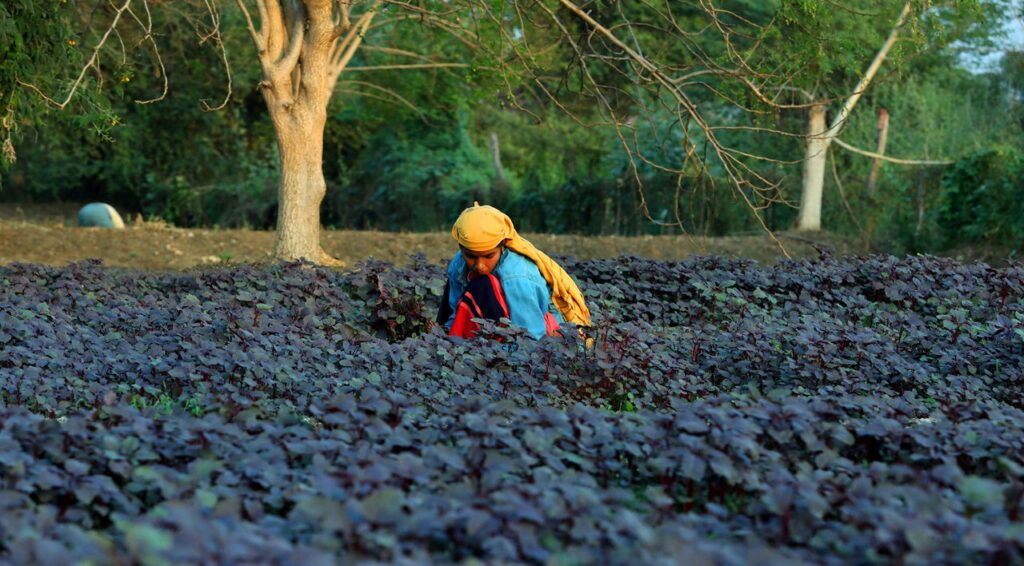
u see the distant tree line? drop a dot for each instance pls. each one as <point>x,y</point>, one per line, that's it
<point>410,150</point>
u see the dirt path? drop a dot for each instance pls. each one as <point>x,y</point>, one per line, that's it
<point>47,235</point>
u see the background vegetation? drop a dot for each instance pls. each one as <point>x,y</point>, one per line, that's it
<point>410,152</point>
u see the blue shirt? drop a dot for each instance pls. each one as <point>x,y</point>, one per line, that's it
<point>526,291</point>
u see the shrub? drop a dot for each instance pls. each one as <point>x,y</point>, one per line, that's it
<point>984,199</point>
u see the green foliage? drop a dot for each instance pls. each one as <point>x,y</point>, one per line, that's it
<point>825,47</point>
<point>216,168</point>
<point>173,160</point>
<point>984,198</point>
<point>36,44</point>
<point>540,151</point>
<point>246,199</point>
<point>603,206</point>
<point>169,159</point>
<point>413,175</point>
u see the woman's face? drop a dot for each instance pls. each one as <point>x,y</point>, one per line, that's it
<point>482,263</point>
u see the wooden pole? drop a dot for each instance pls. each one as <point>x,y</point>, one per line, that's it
<point>919,197</point>
<point>496,158</point>
<point>883,132</point>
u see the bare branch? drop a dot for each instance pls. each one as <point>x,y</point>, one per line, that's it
<point>761,96</point>
<point>454,31</point>
<point>394,95</point>
<point>258,37</point>
<point>344,14</point>
<point>285,64</point>
<point>215,34</point>
<point>274,27</point>
<point>395,51</point>
<point>732,166</point>
<point>428,64</point>
<point>865,80</point>
<point>845,145</point>
<point>411,66</point>
<point>120,41</point>
<point>147,29</point>
<point>346,48</point>
<point>419,10</point>
<point>842,194</point>
<point>807,96</point>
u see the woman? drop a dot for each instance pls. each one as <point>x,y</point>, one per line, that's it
<point>498,274</point>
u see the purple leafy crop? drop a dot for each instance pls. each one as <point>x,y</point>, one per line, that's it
<point>832,411</point>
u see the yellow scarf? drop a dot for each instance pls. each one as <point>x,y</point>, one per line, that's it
<point>482,228</point>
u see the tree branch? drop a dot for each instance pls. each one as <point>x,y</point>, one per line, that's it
<point>346,48</point>
<point>285,64</point>
<point>257,36</point>
<point>869,75</point>
<point>344,16</point>
<point>436,21</point>
<point>85,68</point>
<point>387,91</point>
<point>883,157</point>
<point>729,162</point>
<point>842,193</point>
<point>274,27</point>
<point>411,66</point>
<point>147,28</point>
<point>215,34</point>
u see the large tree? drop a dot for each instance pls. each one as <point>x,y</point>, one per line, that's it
<point>303,48</point>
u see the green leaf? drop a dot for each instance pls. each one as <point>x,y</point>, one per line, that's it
<point>384,505</point>
<point>981,492</point>
<point>145,541</point>
<point>206,498</point>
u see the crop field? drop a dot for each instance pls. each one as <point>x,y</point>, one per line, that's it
<point>824,411</point>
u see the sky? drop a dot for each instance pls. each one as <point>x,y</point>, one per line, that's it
<point>1014,41</point>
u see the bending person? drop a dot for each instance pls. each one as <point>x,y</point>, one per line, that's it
<point>497,273</point>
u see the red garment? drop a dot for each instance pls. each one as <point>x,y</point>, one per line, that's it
<point>484,298</point>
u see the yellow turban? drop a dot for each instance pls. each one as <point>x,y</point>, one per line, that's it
<point>482,228</point>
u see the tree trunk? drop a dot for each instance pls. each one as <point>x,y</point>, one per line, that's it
<point>301,189</point>
<point>303,48</point>
<point>814,170</point>
<point>814,167</point>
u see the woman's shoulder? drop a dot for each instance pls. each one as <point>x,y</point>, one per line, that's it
<point>515,264</point>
